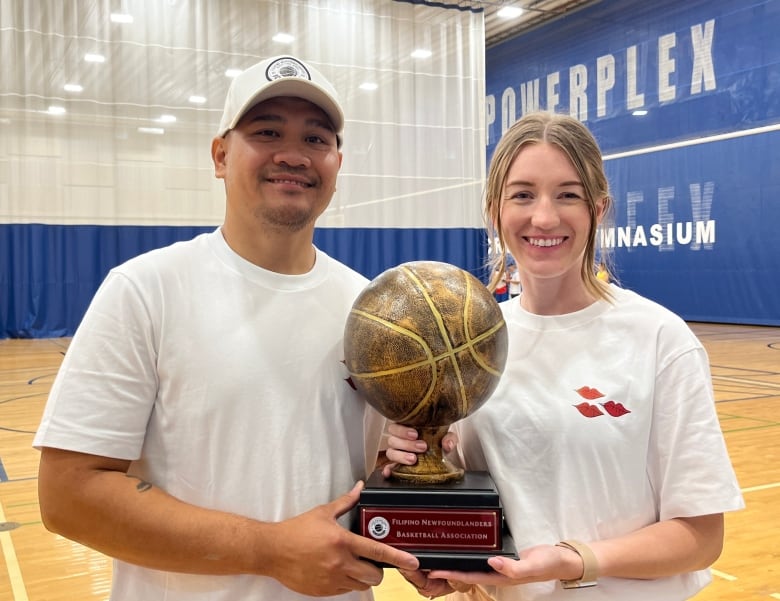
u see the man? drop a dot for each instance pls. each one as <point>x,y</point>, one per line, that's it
<point>201,421</point>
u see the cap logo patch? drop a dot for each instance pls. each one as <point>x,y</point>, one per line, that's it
<point>286,67</point>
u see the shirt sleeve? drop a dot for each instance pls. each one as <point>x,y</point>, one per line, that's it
<point>106,387</point>
<point>688,463</point>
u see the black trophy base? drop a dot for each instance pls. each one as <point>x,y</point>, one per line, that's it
<point>464,561</point>
<point>452,526</point>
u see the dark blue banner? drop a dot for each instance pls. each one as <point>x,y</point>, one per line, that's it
<point>44,293</point>
<point>696,228</point>
<point>684,99</point>
<point>696,68</point>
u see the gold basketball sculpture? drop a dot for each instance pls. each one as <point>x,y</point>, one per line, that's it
<point>425,344</point>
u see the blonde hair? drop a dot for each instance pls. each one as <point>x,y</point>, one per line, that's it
<point>579,145</point>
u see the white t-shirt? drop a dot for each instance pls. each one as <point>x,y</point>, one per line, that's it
<point>224,383</point>
<point>603,422</point>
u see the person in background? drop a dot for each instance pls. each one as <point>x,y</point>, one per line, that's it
<point>501,289</point>
<point>514,287</point>
<point>602,435</point>
<point>179,437</point>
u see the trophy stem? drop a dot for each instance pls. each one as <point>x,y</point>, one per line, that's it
<point>431,467</point>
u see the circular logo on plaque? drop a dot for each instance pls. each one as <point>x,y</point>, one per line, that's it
<point>379,527</point>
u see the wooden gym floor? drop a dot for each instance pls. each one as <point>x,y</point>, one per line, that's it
<point>36,565</point>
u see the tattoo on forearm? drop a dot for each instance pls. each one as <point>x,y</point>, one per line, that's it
<point>142,485</point>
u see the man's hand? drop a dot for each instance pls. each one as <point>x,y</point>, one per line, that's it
<point>313,555</point>
<point>427,587</point>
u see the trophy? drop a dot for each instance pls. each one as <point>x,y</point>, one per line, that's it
<point>425,343</point>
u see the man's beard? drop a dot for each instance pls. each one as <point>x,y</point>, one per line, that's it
<point>288,218</point>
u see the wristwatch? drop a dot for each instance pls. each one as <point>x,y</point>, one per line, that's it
<point>590,565</point>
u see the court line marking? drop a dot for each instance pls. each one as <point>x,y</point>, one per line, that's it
<point>12,563</point>
<point>729,577</point>
<point>761,487</point>
<point>723,575</point>
<point>775,595</point>
<point>747,428</point>
<point>757,384</point>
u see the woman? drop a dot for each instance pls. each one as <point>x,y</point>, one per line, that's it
<point>603,431</point>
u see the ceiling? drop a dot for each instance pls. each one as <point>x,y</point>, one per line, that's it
<point>152,55</point>
<point>535,13</point>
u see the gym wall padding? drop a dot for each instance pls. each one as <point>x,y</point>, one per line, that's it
<point>60,267</point>
<point>696,181</point>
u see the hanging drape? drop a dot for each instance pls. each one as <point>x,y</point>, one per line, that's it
<point>91,176</point>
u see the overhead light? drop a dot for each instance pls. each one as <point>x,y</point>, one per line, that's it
<point>72,87</point>
<point>509,12</point>
<point>421,53</point>
<point>121,18</point>
<point>197,99</point>
<point>233,72</point>
<point>368,86</point>
<point>157,131</point>
<point>167,119</point>
<point>283,38</point>
<point>56,110</point>
<point>94,58</point>
<point>639,113</point>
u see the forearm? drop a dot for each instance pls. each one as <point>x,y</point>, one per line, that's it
<point>134,521</point>
<point>656,551</point>
<point>662,549</point>
<point>92,500</point>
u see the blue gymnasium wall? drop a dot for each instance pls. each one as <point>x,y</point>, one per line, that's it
<point>51,272</point>
<point>696,181</point>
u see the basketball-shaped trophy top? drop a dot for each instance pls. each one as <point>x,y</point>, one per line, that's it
<point>425,343</point>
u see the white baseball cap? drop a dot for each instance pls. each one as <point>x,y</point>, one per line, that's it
<point>279,76</point>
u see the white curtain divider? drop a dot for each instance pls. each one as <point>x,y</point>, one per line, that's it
<point>414,146</point>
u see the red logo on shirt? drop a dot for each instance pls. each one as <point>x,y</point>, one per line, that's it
<point>589,410</point>
<point>615,409</point>
<point>586,392</point>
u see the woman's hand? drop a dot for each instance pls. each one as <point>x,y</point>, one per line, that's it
<point>403,446</point>
<point>536,564</point>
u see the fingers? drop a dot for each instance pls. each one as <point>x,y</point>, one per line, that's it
<point>387,469</point>
<point>404,457</point>
<point>384,554</point>
<point>367,575</point>
<point>347,501</point>
<point>464,580</point>
<point>414,577</point>
<point>403,445</point>
<point>499,565</point>
<point>402,431</point>
<point>425,586</point>
<point>449,442</point>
